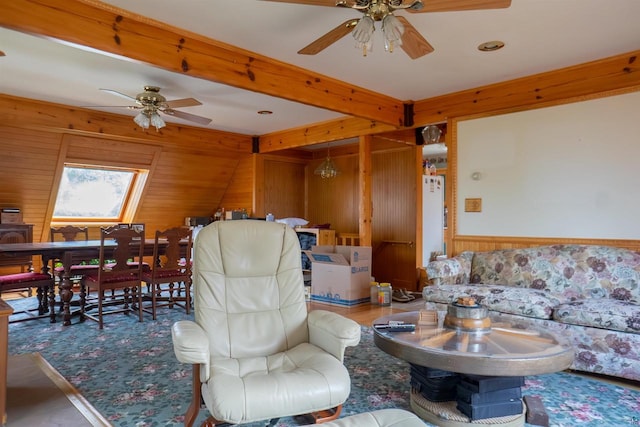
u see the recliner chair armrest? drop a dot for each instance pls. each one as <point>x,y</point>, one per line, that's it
<point>332,332</point>
<point>190,344</point>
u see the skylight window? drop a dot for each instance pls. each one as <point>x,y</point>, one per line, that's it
<point>92,193</point>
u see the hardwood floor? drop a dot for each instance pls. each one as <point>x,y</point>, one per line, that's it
<point>39,396</point>
<point>365,314</point>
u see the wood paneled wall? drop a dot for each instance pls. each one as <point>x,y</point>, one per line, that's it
<point>335,201</point>
<point>190,169</point>
<point>394,195</point>
<point>239,189</point>
<point>27,170</point>
<point>193,172</point>
<point>284,188</point>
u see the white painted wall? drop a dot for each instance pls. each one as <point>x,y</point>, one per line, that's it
<point>566,171</point>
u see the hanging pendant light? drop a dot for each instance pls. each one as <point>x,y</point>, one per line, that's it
<point>327,168</point>
<point>431,134</point>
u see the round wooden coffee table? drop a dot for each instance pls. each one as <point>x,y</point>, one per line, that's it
<point>500,350</point>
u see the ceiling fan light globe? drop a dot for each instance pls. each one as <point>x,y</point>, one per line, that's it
<point>392,28</point>
<point>364,29</point>
<point>142,120</point>
<point>157,121</point>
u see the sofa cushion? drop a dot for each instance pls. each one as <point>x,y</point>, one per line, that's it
<point>451,271</point>
<point>600,313</point>
<point>576,271</point>
<point>504,299</point>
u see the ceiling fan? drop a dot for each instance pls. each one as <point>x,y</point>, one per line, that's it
<point>397,29</point>
<point>150,101</point>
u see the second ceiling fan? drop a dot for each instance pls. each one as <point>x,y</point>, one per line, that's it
<point>397,30</point>
<point>150,101</point>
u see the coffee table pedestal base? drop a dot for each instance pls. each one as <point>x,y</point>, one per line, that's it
<point>445,414</point>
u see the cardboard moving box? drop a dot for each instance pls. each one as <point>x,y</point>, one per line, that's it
<point>340,274</point>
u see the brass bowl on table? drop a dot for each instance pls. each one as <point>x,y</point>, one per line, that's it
<point>467,315</point>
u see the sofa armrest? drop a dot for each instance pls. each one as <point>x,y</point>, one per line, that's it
<point>454,270</point>
<point>191,345</point>
<point>332,332</point>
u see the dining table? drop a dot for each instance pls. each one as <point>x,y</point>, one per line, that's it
<point>64,252</point>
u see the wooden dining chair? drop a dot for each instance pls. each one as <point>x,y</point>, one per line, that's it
<point>137,226</point>
<point>43,282</point>
<point>169,279</point>
<point>123,276</point>
<point>17,233</point>
<point>80,263</point>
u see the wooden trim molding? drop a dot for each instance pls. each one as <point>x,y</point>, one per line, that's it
<point>462,243</point>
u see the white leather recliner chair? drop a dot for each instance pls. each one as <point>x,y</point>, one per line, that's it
<point>256,352</point>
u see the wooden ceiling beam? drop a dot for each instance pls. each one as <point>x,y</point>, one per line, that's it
<point>570,84</point>
<point>107,29</point>
<point>579,82</point>
<point>332,130</point>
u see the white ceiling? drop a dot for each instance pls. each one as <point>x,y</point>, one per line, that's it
<point>540,35</point>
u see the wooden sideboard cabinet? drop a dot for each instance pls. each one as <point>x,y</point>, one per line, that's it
<point>16,233</point>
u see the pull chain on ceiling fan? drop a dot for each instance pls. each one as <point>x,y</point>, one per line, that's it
<point>397,30</point>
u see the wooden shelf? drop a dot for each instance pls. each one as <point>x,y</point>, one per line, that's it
<point>324,236</point>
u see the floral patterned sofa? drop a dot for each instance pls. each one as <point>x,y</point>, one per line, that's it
<point>588,294</point>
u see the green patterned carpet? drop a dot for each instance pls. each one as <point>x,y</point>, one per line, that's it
<point>129,373</point>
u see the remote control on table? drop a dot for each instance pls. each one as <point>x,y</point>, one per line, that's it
<point>398,327</point>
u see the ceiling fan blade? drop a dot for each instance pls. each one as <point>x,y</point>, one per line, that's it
<point>331,3</point>
<point>130,107</point>
<point>330,38</point>
<point>123,95</point>
<point>187,116</point>
<point>413,43</point>
<point>184,102</point>
<point>455,5</point>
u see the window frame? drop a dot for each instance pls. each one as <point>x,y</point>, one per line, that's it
<point>130,201</point>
